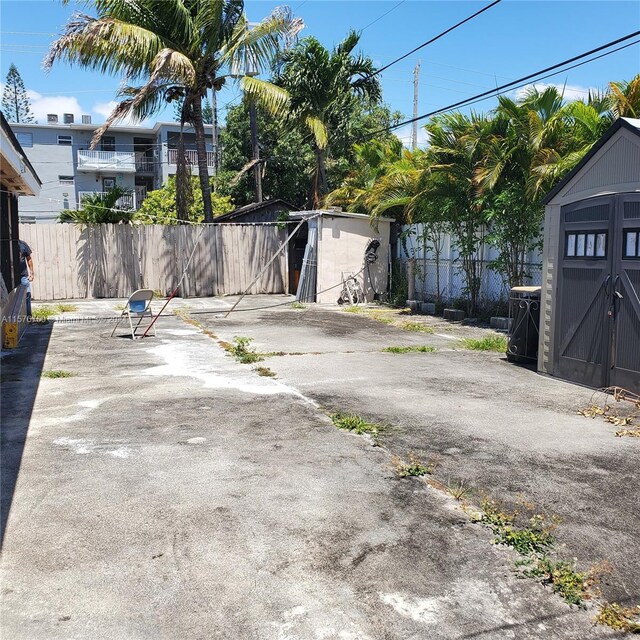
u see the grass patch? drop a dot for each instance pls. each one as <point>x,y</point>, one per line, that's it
<point>298,305</point>
<point>354,309</point>
<point>43,313</point>
<point>411,349</point>
<point>413,468</point>
<point>356,424</point>
<point>120,307</point>
<point>63,307</point>
<point>569,584</point>
<point>265,372</point>
<point>534,537</point>
<point>243,352</point>
<point>488,343</point>
<point>625,619</point>
<point>382,319</point>
<point>458,489</point>
<point>57,373</point>
<point>159,294</point>
<point>416,327</point>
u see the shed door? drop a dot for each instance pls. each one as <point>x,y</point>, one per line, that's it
<point>583,328</point>
<point>625,370</point>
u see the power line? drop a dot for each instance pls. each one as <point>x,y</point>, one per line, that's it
<point>440,35</point>
<point>522,81</point>
<point>386,13</point>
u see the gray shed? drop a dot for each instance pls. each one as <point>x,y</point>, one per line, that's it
<point>590,305</point>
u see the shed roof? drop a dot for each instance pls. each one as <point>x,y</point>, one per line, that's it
<point>336,213</point>
<point>631,124</point>
<point>253,207</point>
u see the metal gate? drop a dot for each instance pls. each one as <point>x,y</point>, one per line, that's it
<point>598,305</point>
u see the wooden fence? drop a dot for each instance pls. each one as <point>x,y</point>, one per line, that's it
<point>112,260</point>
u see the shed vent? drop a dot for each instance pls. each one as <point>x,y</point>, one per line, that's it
<point>68,118</point>
<point>52,118</point>
<point>86,119</point>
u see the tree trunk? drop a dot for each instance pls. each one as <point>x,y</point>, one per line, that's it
<point>203,170</point>
<point>319,188</point>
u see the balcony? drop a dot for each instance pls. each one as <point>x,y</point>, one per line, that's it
<point>128,201</point>
<point>111,161</point>
<point>144,163</point>
<point>192,157</point>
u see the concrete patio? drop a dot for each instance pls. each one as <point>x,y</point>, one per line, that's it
<point>166,491</point>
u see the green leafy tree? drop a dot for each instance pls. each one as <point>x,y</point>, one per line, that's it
<point>170,50</point>
<point>286,158</point>
<point>159,207</point>
<point>15,102</point>
<point>111,207</point>
<point>207,110</point>
<point>322,90</point>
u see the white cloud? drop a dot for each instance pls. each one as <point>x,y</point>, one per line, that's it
<point>404,133</point>
<point>42,105</point>
<point>570,91</point>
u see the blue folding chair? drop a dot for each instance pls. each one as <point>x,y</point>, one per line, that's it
<point>138,306</point>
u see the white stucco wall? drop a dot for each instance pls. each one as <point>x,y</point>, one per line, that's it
<point>341,245</point>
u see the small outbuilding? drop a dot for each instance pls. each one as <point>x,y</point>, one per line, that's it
<point>266,211</point>
<point>590,304</point>
<point>334,246</point>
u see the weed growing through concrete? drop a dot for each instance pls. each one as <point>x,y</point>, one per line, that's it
<point>158,294</point>
<point>488,343</point>
<point>298,305</point>
<point>569,584</point>
<point>411,349</point>
<point>43,313</point>
<point>382,319</point>
<point>57,373</point>
<point>353,309</point>
<point>120,307</point>
<point>625,619</point>
<point>458,489</point>
<point>265,372</point>
<point>418,327</point>
<point>356,424</point>
<point>533,538</point>
<point>413,468</point>
<point>243,352</point>
<point>63,307</point>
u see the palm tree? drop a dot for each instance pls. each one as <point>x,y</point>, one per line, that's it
<point>321,90</point>
<point>170,50</point>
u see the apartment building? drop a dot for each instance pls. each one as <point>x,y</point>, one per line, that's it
<point>138,159</point>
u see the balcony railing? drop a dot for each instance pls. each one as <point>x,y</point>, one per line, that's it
<point>192,157</point>
<point>120,161</point>
<point>144,163</point>
<point>128,201</point>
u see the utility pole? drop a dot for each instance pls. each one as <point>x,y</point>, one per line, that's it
<point>414,125</point>
<point>255,148</point>
<point>215,136</point>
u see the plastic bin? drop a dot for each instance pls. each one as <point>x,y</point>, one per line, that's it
<point>524,313</point>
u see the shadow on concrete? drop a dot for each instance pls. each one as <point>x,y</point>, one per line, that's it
<point>21,372</point>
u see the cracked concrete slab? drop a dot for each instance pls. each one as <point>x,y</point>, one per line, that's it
<point>166,491</point>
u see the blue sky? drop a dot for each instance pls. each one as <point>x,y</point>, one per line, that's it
<point>510,40</point>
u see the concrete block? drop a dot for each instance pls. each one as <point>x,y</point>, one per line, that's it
<point>453,314</point>
<point>413,305</point>
<point>500,322</point>
<point>428,307</point>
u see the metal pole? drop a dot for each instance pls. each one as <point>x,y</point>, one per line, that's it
<point>414,126</point>
<point>266,266</point>
<point>214,122</point>
<point>257,169</point>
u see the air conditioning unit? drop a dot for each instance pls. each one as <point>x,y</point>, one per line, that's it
<point>68,118</point>
<point>52,118</point>
<point>86,119</point>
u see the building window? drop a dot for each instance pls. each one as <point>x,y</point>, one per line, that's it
<point>25,139</point>
<point>65,140</point>
<point>632,243</point>
<point>108,143</point>
<point>586,245</point>
<point>65,179</point>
